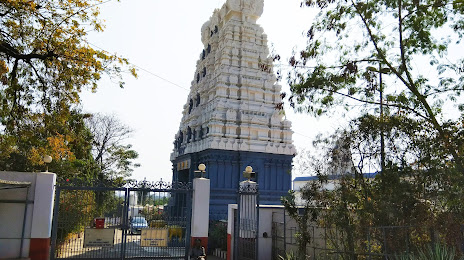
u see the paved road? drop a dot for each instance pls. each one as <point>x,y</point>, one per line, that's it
<point>75,249</point>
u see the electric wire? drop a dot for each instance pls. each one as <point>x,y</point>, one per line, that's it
<point>143,69</point>
<point>169,81</point>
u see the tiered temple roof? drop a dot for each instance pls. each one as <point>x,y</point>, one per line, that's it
<point>233,97</point>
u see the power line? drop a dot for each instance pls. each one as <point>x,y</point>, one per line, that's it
<point>303,135</point>
<point>147,71</point>
<point>170,82</point>
<point>153,74</point>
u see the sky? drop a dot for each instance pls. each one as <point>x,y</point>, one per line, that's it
<point>163,39</point>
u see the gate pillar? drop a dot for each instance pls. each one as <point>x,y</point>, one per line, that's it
<point>42,221</point>
<point>200,211</point>
<point>246,226</point>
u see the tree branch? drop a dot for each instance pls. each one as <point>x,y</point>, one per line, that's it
<point>377,48</point>
<point>412,87</point>
<point>378,103</point>
<point>6,12</point>
<point>42,81</point>
<point>12,52</point>
<point>444,91</point>
<point>409,83</point>
<point>13,82</point>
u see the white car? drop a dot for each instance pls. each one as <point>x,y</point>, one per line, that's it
<point>137,224</point>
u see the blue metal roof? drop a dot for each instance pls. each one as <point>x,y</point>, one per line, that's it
<point>333,177</point>
<point>306,178</point>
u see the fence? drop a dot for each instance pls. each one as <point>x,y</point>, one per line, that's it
<point>217,242</point>
<point>142,220</point>
<point>383,242</point>
<point>26,201</point>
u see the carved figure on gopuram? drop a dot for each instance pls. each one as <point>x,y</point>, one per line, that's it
<point>230,119</point>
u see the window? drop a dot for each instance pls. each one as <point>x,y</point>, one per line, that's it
<point>198,99</point>
<point>201,133</point>
<point>190,106</point>
<point>180,139</point>
<point>189,134</point>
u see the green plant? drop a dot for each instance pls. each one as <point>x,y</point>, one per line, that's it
<point>289,256</point>
<point>436,252</point>
<point>218,234</point>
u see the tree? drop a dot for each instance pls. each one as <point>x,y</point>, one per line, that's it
<point>45,58</point>
<point>305,215</point>
<point>366,52</point>
<point>62,135</point>
<point>356,48</point>
<point>113,157</point>
<point>45,62</point>
<point>413,196</point>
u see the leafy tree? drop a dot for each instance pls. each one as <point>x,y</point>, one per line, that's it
<point>417,190</point>
<point>113,157</point>
<point>357,48</point>
<point>304,215</point>
<point>366,52</point>
<point>62,135</point>
<point>45,62</point>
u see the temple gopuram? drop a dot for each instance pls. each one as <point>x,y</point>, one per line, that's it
<point>230,118</point>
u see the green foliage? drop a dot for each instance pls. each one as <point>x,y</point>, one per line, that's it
<point>288,256</point>
<point>45,63</point>
<point>218,234</point>
<point>435,252</point>
<point>79,208</point>
<point>113,157</point>
<point>45,58</point>
<point>151,212</point>
<point>392,58</point>
<point>352,44</point>
<point>63,136</point>
<point>418,191</point>
<point>304,215</point>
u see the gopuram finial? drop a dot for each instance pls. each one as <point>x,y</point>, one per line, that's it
<point>251,7</point>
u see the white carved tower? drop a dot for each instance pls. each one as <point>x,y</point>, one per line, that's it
<point>230,118</point>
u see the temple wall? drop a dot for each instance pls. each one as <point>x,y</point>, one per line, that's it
<point>225,168</point>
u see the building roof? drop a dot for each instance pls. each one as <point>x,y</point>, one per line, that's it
<point>333,177</point>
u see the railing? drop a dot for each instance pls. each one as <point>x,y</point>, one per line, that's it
<point>382,242</point>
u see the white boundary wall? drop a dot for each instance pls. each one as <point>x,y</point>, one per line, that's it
<point>39,212</point>
<point>265,230</point>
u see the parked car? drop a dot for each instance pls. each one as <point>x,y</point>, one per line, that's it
<point>137,224</point>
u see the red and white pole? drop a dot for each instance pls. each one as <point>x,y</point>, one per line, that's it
<point>42,216</point>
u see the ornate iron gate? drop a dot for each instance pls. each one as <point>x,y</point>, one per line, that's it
<point>247,222</point>
<point>139,220</point>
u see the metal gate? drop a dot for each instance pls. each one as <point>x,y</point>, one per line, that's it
<point>138,220</point>
<point>247,222</point>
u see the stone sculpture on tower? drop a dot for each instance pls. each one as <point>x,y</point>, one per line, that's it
<point>230,119</point>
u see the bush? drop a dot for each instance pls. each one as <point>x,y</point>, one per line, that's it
<point>436,252</point>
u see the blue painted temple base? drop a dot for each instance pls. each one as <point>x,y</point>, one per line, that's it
<point>225,170</point>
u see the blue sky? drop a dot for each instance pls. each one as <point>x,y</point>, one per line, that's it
<point>163,39</point>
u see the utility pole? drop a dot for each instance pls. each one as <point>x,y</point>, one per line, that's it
<point>382,140</point>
